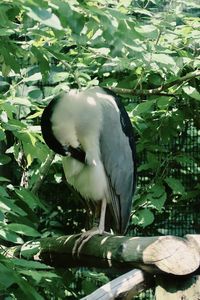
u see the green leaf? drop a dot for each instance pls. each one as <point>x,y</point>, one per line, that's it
<point>156,196</point>
<point>26,137</point>
<point>1,216</point>
<point>176,185</point>
<point>157,190</point>
<point>2,135</point>
<point>23,229</point>
<point>10,236</point>
<point>20,101</point>
<point>141,11</point>
<point>30,264</point>
<point>184,159</point>
<point>4,159</point>
<point>9,59</point>
<point>29,198</point>
<point>7,205</point>
<point>88,286</point>
<point>42,59</point>
<point>5,69</point>
<point>148,31</point>
<point>143,107</point>
<point>35,94</point>
<point>5,32</point>
<point>153,160</point>
<point>143,217</point>
<point>3,192</point>
<point>34,77</point>
<point>158,203</point>
<point>29,291</point>
<point>7,275</point>
<point>39,275</point>
<point>14,125</point>
<point>28,250</point>
<point>152,163</point>
<point>192,92</point>
<point>4,86</point>
<point>163,59</point>
<point>163,102</point>
<point>44,16</point>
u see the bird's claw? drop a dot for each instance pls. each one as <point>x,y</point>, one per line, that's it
<point>84,238</point>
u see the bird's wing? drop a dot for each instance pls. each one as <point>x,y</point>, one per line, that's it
<point>118,156</point>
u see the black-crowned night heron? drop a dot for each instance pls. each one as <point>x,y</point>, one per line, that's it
<point>93,132</point>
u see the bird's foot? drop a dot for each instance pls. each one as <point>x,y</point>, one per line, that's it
<point>84,238</point>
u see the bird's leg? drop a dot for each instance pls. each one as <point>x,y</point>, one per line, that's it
<point>90,233</point>
<point>102,216</point>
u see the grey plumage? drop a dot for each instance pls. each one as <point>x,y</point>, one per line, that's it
<point>117,157</point>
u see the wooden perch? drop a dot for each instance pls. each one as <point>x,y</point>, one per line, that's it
<point>123,287</point>
<point>168,254</point>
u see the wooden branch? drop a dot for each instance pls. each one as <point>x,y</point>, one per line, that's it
<point>164,254</point>
<point>123,287</point>
<point>160,89</point>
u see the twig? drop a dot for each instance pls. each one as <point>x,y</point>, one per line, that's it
<point>43,172</point>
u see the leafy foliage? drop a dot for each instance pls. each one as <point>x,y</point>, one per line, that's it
<point>150,47</point>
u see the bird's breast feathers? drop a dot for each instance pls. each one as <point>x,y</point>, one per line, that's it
<point>89,180</point>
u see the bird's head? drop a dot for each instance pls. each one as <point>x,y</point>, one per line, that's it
<point>47,127</point>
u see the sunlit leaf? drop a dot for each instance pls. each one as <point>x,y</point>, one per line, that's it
<point>23,229</point>
<point>44,16</point>
<point>143,218</point>
<point>28,250</point>
<point>29,198</point>
<point>34,77</point>
<point>192,92</point>
<point>149,31</point>
<point>143,107</point>
<point>20,101</point>
<point>10,236</point>
<point>176,185</point>
<point>30,264</point>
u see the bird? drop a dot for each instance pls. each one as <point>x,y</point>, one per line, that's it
<point>93,133</point>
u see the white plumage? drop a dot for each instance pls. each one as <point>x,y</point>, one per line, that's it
<point>78,113</point>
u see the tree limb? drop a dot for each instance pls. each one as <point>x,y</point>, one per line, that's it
<point>160,90</point>
<point>161,254</point>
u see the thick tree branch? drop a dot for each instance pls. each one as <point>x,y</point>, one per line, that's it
<point>164,254</point>
<point>161,89</point>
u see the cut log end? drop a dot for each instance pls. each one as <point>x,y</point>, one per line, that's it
<point>172,255</point>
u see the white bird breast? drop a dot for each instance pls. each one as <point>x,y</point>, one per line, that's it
<point>77,121</point>
<point>89,180</point>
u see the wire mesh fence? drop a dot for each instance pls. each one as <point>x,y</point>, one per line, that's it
<point>182,218</point>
